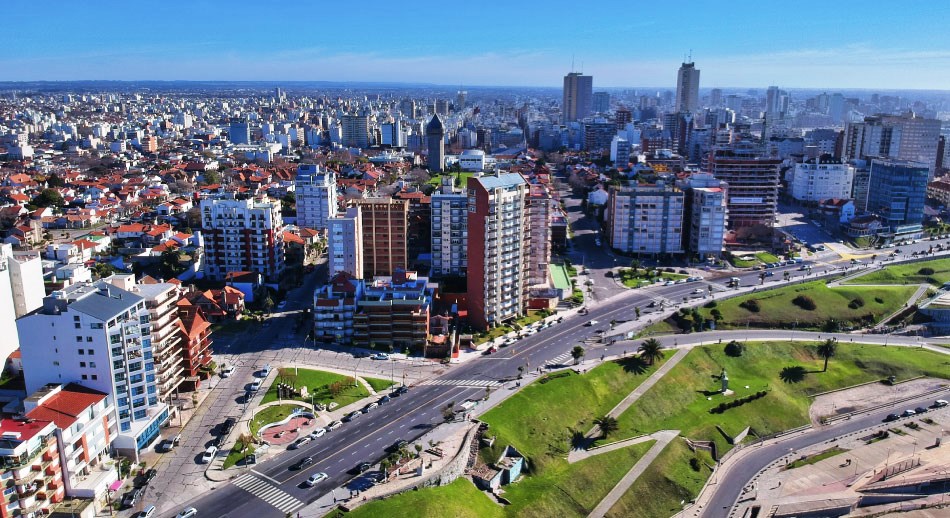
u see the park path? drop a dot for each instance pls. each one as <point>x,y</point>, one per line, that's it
<point>579,455</point>
<point>647,384</point>
<point>663,438</point>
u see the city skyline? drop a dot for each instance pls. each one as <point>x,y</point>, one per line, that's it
<point>474,46</point>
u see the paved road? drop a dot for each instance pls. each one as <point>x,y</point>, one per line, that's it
<point>730,486</point>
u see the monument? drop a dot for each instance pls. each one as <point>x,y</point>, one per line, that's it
<point>724,379</point>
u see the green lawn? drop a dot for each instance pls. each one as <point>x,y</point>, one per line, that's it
<point>379,385</point>
<point>908,274</point>
<point>271,414</point>
<point>776,309</point>
<point>747,261</point>
<point>766,257</point>
<point>678,401</point>
<point>564,489</point>
<point>236,454</point>
<point>437,179</point>
<point>669,480</point>
<point>460,499</point>
<point>643,277</point>
<point>831,452</point>
<point>318,384</point>
<point>495,332</point>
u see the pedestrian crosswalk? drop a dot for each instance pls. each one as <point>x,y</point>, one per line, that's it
<point>466,383</point>
<point>268,493</point>
<point>558,360</point>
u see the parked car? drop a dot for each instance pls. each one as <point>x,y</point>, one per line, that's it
<point>398,445</point>
<point>316,478</point>
<point>302,463</point>
<point>380,356</point>
<point>147,477</point>
<point>299,442</point>
<point>908,413</point>
<point>399,391</point>
<point>351,416</point>
<point>148,512</point>
<point>256,384</point>
<point>940,403</point>
<point>372,406</point>
<point>891,417</point>
<point>360,468</point>
<point>920,410</point>
<point>130,497</point>
<point>383,400</point>
<point>166,446</point>
<point>188,512</point>
<point>361,354</point>
<point>490,350</point>
<point>227,371</point>
<point>209,454</point>
<point>266,370</point>
<point>228,425</point>
<point>591,323</point>
<point>319,432</point>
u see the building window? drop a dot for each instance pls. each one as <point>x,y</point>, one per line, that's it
<point>82,364</point>
<point>82,352</point>
<point>88,338</point>
<point>83,376</point>
<point>90,352</point>
<point>79,339</point>
<point>95,377</point>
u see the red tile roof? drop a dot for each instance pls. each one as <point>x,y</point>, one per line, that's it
<point>65,407</point>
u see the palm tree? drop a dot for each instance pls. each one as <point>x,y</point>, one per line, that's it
<point>607,425</point>
<point>827,350</point>
<point>651,350</point>
<point>635,266</point>
<point>577,353</point>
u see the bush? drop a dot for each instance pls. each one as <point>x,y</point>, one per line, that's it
<point>879,300</point>
<point>722,407</point>
<point>925,271</point>
<point>694,464</point>
<point>734,349</point>
<point>805,302</point>
<point>711,304</point>
<point>750,305</point>
<point>856,303</point>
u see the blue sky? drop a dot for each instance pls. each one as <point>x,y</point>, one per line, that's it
<point>820,44</point>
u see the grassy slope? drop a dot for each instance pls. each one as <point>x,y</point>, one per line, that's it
<point>460,499</point>
<point>777,309</point>
<point>379,385</point>
<point>678,402</point>
<point>316,382</point>
<point>907,274</point>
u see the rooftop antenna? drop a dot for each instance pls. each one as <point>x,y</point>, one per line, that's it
<point>690,55</point>
<point>572,63</point>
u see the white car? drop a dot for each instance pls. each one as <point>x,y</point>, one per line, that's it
<point>334,425</point>
<point>227,371</point>
<point>591,323</point>
<point>189,512</point>
<point>209,455</point>
<point>316,434</point>
<point>299,442</point>
<point>256,384</point>
<point>265,371</point>
<point>316,478</point>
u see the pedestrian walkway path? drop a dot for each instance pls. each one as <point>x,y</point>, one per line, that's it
<point>464,383</point>
<point>642,388</point>
<point>579,455</point>
<point>662,439</point>
<point>268,493</point>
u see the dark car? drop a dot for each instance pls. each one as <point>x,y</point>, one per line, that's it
<point>362,467</point>
<point>383,400</point>
<point>399,391</point>
<point>302,463</point>
<point>891,417</point>
<point>398,445</point>
<point>361,354</point>
<point>920,410</point>
<point>228,425</point>
<point>130,497</point>
<point>146,477</point>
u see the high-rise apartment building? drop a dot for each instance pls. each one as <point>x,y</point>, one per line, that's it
<point>385,224</point>
<point>821,178</point>
<point>31,467</point>
<point>646,219</point>
<point>577,97</point>
<point>896,193</point>
<point>242,236</point>
<point>100,336</point>
<point>903,137</point>
<point>600,102</point>
<point>753,184</point>
<point>394,310</point>
<point>449,214</point>
<point>705,215</point>
<point>239,131</point>
<point>345,243</point>
<point>355,131</point>
<point>316,196</point>
<point>619,151</point>
<point>687,88</point>
<point>541,210</point>
<point>21,291</point>
<point>435,143</point>
<point>498,236</point>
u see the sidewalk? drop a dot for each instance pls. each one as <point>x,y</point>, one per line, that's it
<point>662,439</point>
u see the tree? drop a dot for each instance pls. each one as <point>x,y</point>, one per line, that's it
<point>734,349</point>
<point>54,180</point>
<point>577,353</point>
<point>211,177</point>
<point>636,311</point>
<point>827,350</point>
<point>651,350</point>
<point>103,270</point>
<point>267,304</point>
<point>49,198</point>
<point>607,425</point>
<point>289,199</point>
<point>635,266</point>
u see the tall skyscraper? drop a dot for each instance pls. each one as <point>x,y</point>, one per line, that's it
<point>498,238</point>
<point>449,229</point>
<point>896,193</point>
<point>578,97</point>
<point>601,102</point>
<point>239,131</point>
<point>315,191</point>
<point>904,137</point>
<point>355,130</point>
<point>435,140</point>
<point>687,88</point>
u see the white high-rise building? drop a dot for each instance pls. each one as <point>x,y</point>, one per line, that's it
<point>315,191</point>
<point>100,336</point>
<point>687,88</point>
<point>706,206</point>
<point>449,215</point>
<point>242,236</point>
<point>821,179</point>
<point>345,243</point>
<point>619,151</point>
